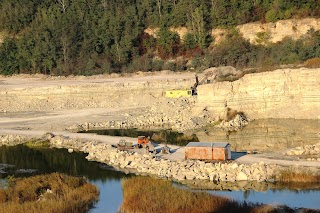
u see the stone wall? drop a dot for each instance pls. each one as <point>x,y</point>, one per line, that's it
<point>284,93</point>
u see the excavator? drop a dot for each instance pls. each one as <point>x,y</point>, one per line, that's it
<point>205,79</point>
<point>193,90</point>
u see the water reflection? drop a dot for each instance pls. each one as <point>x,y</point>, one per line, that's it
<point>59,160</point>
<point>53,160</point>
<point>267,135</point>
<point>294,199</point>
<point>159,136</point>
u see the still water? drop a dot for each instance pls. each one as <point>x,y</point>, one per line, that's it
<point>26,161</point>
<point>264,135</point>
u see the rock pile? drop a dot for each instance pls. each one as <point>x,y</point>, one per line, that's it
<point>175,114</point>
<point>310,152</point>
<point>10,140</point>
<point>237,123</point>
<point>163,168</point>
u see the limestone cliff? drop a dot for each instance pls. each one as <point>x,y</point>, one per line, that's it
<point>273,32</point>
<point>284,93</point>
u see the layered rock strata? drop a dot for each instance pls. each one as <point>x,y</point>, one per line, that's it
<point>285,93</point>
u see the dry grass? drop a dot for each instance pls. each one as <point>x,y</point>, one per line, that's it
<point>54,193</point>
<point>142,194</point>
<point>312,63</point>
<point>290,175</point>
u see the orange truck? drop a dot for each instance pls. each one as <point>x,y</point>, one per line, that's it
<point>142,141</point>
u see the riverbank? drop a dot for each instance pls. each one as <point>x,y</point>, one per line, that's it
<point>161,166</point>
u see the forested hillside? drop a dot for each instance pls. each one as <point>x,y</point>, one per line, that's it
<point>63,37</point>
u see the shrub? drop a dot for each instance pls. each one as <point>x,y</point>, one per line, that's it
<point>53,193</point>
<point>312,63</point>
<point>289,175</point>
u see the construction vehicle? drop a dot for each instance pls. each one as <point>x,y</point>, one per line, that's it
<point>143,142</point>
<point>178,93</point>
<point>193,90</point>
<point>205,79</point>
<point>124,145</point>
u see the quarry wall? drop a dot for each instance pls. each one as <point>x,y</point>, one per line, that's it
<point>284,93</point>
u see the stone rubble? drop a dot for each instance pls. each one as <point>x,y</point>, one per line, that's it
<point>134,162</point>
<point>237,123</point>
<point>175,114</point>
<point>310,152</point>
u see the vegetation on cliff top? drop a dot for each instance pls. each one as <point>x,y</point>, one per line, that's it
<point>48,193</point>
<point>66,37</point>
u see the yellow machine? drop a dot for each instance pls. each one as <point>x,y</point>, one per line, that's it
<point>186,93</point>
<point>178,93</point>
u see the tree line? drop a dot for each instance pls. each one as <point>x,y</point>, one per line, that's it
<point>86,37</point>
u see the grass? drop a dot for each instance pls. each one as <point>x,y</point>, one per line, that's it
<point>144,194</point>
<point>289,176</point>
<point>38,144</point>
<point>53,193</point>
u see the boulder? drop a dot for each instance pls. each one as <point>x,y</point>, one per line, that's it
<point>241,176</point>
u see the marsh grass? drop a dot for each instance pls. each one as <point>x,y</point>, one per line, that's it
<point>291,176</point>
<point>143,194</point>
<point>53,193</point>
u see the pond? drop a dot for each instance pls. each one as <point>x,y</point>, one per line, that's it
<point>160,136</point>
<point>266,135</point>
<point>27,161</point>
<point>262,135</point>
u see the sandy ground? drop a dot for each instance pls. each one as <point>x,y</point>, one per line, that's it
<point>37,123</point>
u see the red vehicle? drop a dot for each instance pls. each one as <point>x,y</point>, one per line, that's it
<point>142,141</point>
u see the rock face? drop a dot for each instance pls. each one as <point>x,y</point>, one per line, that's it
<point>284,93</point>
<point>292,28</point>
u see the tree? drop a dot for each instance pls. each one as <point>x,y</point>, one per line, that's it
<point>196,25</point>
<point>63,4</point>
<point>8,57</point>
